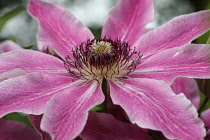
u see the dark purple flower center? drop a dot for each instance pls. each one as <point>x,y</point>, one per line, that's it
<point>102,58</point>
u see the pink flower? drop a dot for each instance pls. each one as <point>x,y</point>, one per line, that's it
<point>139,68</point>
<point>12,130</point>
<point>189,87</point>
<point>205,117</point>
<point>8,45</point>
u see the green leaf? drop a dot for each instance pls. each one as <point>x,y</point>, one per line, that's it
<point>18,117</point>
<point>98,108</point>
<point>208,5</point>
<point>201,101</point>
<point>203,39</point>
<point>208,41</point>
<point>28,47</point>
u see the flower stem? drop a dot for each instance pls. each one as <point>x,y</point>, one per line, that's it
<point>200,109</point>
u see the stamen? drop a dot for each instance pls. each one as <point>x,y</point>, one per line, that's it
<point>102,58</point>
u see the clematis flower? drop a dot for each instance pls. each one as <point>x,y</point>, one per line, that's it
<point>139,68</point>
<point>13,130</point>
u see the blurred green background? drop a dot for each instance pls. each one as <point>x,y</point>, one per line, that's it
<point>17,25</point>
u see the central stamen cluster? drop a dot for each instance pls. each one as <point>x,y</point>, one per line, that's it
<point>102,58</point>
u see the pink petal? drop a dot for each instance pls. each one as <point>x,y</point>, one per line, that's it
<point>12,130</point>
<point>101,126</point>
<point>8,45</point>
<point>177,32</point>
<point>30,93</point>
<point>205,116</point>
<point>31,61</point>
<point>152,104</point>
<point>57,27</point>
<point>67,113</point>
<point>190,61</point>
<point>36,121</point>
<point>11,74</point>
<point>189,87</point>
<point>127,20</point>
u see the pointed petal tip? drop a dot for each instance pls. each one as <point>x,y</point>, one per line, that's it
<point>127,20</point>
<point>153,105</point>
<point>58,28</point>
<point>178,31</point>
<point>69,112</point>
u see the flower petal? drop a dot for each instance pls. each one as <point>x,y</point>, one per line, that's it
<point>127,20</point>
<point>8,45</point>
<point>189,87</point>
<point>12,130</point>
<point>11,74</point>
<point>30,93</point>
<point>67,113</point>
<point>57,27</point>
<point>192,61</point>
<point>177,32</point>
<point>152,104</point>
<point>31,61</point>
<point>206,119</point>
<point>36,121</point>
<point>101,126</point>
